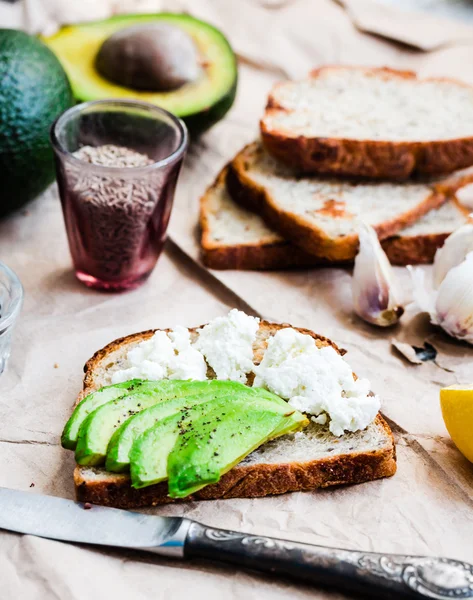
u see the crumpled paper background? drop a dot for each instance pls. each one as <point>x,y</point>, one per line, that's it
<point>425,508</point>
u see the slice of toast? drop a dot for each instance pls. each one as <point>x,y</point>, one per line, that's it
<point>233,237</point>
<point>320,214</point>
<point>418,243</point>
<point>306,460</point>
<point>370,122</point>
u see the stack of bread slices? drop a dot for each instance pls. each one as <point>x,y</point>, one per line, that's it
<point>344,145</point>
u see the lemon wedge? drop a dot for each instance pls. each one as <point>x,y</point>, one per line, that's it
<point>456,403</point>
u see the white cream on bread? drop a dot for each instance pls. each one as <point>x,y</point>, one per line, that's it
<point>317,381</point>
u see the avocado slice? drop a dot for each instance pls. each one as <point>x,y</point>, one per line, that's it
<point>200,103</point>
<point>149,453</point>
<point>119,448</point>
<point>112,392</point>
<point>93,401</point>
<point>107,394</point>
<point>99,426</point>
<point>219,441</point>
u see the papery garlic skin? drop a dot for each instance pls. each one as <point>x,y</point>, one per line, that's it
<point>373,285</point>
<point>423,292</point>
<point>454,302</point>
<point>453,252</point>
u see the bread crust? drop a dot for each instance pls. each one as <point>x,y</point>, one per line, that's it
<point>375,159</point>
<point>310,239</point>
<point>277,255</point>
<point>415,250</point>
<point>252,481</point>
<point>93,362</point>
<point>258,257</point>
<point>400,249</point>
<point>420,249</point>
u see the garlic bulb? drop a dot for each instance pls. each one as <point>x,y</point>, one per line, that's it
<point>373,286</point>
<point>451,306</point>
<point>453,252</point>
<point>464,195</point>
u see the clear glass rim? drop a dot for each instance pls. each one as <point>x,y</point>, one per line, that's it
<point>78,108</point>
<point>17,294</point>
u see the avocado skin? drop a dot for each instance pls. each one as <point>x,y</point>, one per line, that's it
<point>34,91</point>
<point>200,122</point>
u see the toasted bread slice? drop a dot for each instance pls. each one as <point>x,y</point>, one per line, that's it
<point>370,122</point>
<point>320,215</point>
<point>310,459</point>
<point>233,237</point>
<point>418,243</point>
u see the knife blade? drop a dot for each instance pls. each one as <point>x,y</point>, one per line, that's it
<point>374,575</point>
<point>66,520</point>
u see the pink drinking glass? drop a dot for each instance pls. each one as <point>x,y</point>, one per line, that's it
<point>116,216</point>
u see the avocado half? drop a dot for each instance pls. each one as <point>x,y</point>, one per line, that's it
<point>200,103</point>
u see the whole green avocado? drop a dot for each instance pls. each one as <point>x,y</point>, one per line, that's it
<point>34,90</point>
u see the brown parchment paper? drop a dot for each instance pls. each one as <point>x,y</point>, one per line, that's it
<point>425,30</point>
<point>425,508</point>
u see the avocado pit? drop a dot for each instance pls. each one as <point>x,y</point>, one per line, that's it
<point>156,57</point>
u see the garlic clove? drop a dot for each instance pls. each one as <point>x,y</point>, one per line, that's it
<point>464,195</point>
<point>451,306</point>
<point>453,252</point>
<point>373,285</point>
<point>454,302</point>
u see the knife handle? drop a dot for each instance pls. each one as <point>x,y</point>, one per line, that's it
<point>380,576</point>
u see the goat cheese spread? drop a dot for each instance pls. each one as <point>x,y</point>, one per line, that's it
<point>227,344</point>
<point>164,356</point>
<point>316,381</point>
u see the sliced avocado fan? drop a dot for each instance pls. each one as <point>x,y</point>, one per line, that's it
<point>119,447</point>
<point>150,452</point>
<point>112,392</point>
<point>221,440</point>
<point>100,424</point>
<point>200,102</point>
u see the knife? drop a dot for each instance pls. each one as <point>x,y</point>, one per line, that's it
<point>373,575</point>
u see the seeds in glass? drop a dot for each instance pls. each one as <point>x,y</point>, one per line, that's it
<point>117,198</point>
